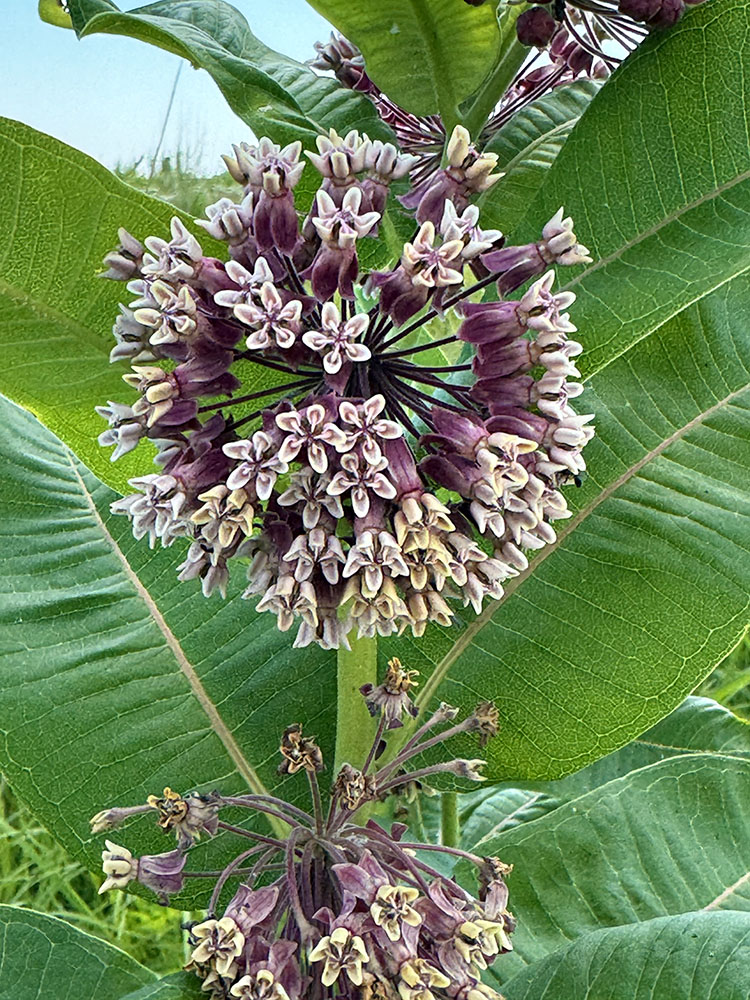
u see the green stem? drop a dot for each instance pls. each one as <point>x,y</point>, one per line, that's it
<point>728,690</point>
<point>355,727</point>
<point>510,58</point>
<point>449,831</point>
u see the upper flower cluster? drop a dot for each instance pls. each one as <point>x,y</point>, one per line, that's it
<point>340,907</point>
<point>294,423</point>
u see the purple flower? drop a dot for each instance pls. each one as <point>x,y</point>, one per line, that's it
<point>336,902</point>
<point>297,428</point>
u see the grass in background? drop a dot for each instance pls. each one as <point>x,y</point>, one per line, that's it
<point>177,181</point>
<point>37,873</point>
<point>730,682</point>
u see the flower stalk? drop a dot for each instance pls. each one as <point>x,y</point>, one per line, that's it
<point>354,726</point>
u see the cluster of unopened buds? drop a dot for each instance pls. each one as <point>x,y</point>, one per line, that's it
<point>296,429</point>
<point>340,907</point>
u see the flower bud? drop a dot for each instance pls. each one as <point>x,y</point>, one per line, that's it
<point>536,27</point>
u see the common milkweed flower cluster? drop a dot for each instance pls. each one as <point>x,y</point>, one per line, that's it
<point>296,427</point>
<point>340,907</point>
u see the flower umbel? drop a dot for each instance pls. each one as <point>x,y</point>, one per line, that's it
<point>363,489</point>
<point>338,905</point>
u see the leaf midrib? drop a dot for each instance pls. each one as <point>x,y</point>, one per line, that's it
<point>657,227</point>
<point>218,725</point>
<point>438,675</point>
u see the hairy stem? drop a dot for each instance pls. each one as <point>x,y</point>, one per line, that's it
<point>449,831</point>
<point>354,726</point>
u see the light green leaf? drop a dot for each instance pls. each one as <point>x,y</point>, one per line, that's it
<point>273,93</point>
<point>179,986</point>
<point>667,839</point>
<point>53,12</point>
<point>427,55</point>
<point>42,956</point>
<point>59,214</point>
<point>698,956</point>
<point>527,147</point>
<point>645,589</point>
<point>117,680</point>
<point>698,725</point>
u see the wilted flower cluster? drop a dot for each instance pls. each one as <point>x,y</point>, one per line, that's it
<point>296,428</point>
<point>339,907</point>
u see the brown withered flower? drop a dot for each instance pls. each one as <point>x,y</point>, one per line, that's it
<point>299,752</point>
<point>392,696</point>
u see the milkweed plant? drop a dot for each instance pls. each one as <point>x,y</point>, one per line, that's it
<point>425,426</point>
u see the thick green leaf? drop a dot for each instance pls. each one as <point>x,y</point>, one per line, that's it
<point>274,94</point>
<point>656,176</point>
<point>527,146</point>
<point>179,986</point>
<point>427,55</point>
<point>42,956</point>
<point>698,725</point>
<point>59,214</point>
<point>646,588</point>
<point>667,839</point>
<point>115,678</point>
<point>699,956</point>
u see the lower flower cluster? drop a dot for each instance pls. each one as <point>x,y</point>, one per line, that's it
<point>339,907</point>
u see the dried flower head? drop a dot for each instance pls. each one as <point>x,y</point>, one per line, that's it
<point>299,752</point>
<point>338,904</point>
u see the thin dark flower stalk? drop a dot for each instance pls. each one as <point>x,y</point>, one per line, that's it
<point>230,869</point>
<point>273,390</point>
<point>317,804</point>
<point>265,801</point>
<point>251,834</point>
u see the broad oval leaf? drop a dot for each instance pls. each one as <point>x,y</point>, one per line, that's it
<point>656,176</point>
<point>698,956</point>
<point>426,55</point>
<point>667,839</point>
<point>274,94</point>
<point>698,725</point>
<point>117,680</point>
<point>42,956</point>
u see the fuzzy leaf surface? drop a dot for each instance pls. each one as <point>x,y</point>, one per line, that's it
<point>664,840</point>
<point>42,956</point>
<point>116,680</point>
<point>696,956</point>
<point>698,725</point>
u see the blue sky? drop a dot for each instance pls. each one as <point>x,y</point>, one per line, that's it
<point>107,95</point>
